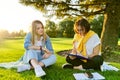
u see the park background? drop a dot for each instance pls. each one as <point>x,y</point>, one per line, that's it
<point>61,32</point>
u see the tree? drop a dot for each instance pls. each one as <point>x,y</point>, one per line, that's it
<point>96,24</point>
<point>66,28</point>
<point>21,33</point>
<point>4,34</point>
<point>86,8</point>
<point>51,28</point>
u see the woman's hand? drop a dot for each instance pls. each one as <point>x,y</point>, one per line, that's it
<point>45,56</point>
<point>47,53</point>
<point>72,57</point>
<point>34,47</point>
<point>46,50</point>
<point>74,51</point>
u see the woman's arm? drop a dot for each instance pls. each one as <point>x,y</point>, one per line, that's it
<point>46,50</point>
<point>74,51</point>
<point>34,47</point>
<point>96,51</point>
<point>49,48</point>
<point>27,41</point>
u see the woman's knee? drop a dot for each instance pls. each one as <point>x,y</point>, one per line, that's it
<point>49,61</point>
<point>98,60</point>
<point>68,59</point>
<point>53,58</point>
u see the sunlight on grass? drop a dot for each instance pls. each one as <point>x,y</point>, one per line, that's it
<point>12,50</point>
<point>119,42</point>
<point>61,43</point>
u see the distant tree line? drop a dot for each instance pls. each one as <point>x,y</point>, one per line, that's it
<point>6,34</point>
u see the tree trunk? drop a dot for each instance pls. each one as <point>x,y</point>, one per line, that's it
<point>109,35</point>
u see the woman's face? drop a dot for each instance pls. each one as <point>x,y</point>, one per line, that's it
<point>39,29</point>
<point>81,30</point>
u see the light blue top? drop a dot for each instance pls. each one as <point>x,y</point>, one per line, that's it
<point>46,44</point>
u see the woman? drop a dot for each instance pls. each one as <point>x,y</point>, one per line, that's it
<point>39,52</point>
<point>87,44</point>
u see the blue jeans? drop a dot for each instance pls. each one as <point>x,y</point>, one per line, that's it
<point>35,54</point>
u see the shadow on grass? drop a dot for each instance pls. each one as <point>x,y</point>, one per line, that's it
<point>64,52</point>
<point>54,72</point>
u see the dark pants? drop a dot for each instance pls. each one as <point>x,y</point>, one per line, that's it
<point>93,63</point>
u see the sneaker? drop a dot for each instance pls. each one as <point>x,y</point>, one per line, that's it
<point>39,71</point>
<point>23,68</point>
<point>67,65</point>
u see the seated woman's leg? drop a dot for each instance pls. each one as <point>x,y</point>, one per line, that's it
<point>29,55</point>
<point>49,61</point>
<point>98,61</point>
<point>74,62</point>
<point>94,63</point>
<point>33,60</point>
<point>32,57</point>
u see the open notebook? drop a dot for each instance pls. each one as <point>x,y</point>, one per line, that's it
<point>82,76</point>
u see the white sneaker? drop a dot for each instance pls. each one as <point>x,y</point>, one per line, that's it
<point>23,68</point>
<point>39,71</point>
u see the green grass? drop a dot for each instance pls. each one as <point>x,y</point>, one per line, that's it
<point>12,50</point>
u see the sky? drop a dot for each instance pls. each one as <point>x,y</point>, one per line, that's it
<point>15,16</point>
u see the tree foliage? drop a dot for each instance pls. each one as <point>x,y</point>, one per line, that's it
<point>51,28</point>
<point>63,8</point>
<point>66,28</point>
<point>96,24</point>
<point>86,8</point>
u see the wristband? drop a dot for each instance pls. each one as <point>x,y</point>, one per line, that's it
<point>40,47</point>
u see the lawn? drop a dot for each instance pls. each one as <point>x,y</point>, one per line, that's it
<point>12,50</point>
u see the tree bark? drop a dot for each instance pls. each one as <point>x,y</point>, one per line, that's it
<point>110,31</point>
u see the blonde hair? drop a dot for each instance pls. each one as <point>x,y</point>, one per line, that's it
<point>33,30</point>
